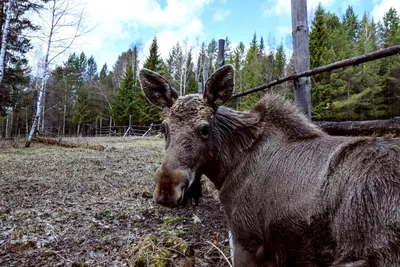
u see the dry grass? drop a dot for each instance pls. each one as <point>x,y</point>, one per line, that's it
<point>80,207</point>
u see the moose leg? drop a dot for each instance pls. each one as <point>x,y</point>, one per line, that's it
<point>246,258</point>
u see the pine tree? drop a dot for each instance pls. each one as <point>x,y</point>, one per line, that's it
<point>212,51</point>
<point>81,109</point>
<point>252,74</point>
<point>91,69</point>
<point>191,83</point>
<point>351,25</point>
<point>16,69</point>
<point>201,64</point>
<point>147,112</point>
<point>318,38</point>
<point>123,102</point>
<point>389,35</point>
<point>154,61</point>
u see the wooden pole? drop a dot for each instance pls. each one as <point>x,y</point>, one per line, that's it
<point>386,52</point>
<point>221,52</point>
<point>101,125</point>
<point>109,133</point>
<point>205,77</point>
<point>221,62</point>
<point>301,56</point>
<point>1,125</point>
<point>200,88</point>
<point>95,127</point>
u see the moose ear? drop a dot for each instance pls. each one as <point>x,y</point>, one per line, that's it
<point>219,87</point>
<point>157,89</point>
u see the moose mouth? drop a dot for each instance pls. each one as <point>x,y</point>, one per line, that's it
<point>180,193</point>
<point>192,194</point>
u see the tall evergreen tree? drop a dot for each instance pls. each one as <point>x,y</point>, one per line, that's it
<point>16,71</point>
<point>351,25</point>
<point>123,102</point>
<point>154,61</point>
<point>212,52</point>
<point>147,112</point>
<point>252,74</point>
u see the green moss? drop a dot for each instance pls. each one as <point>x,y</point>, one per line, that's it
<point>169,219</point>
<point>154,252</point>
<point>79,264</point>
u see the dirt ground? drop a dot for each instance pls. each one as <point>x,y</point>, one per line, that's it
<point>83,207</point>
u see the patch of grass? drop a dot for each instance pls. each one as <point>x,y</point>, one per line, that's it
<point>153,251</point>
<point>170,219</point>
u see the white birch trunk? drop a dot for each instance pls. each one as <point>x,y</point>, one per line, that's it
<point>4,39</point>
<point>39,102</point>
<point>43,105</point>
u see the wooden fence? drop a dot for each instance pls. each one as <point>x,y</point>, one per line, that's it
<point>124,131</point>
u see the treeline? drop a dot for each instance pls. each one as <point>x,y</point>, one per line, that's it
<point>80,96</point>
<point>367,91</point>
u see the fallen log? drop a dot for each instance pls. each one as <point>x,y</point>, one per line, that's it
<point>59,142</point>
<point>362,128</point>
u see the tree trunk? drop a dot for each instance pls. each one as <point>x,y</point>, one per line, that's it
<point>110,125</point>
<point>26,123</point>
<point>39,102</point>
<point>361,128</point>
<point>43,104</point>
<point>301,54</point>
<point>4,39</point>
<point>64,118</point>
<point>7,126</point>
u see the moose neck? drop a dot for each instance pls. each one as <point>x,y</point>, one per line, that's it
<point>236,135</point>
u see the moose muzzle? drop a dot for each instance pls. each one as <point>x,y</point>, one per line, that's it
<point>170,186</point>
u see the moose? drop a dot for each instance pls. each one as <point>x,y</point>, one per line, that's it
<point>292,194</point>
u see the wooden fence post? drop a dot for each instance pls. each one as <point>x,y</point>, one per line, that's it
<point>221,52</point>
<point>200,88</point>
<point>221,62</point>
<point>101,125</point>
<point>301,55</point>
<point>109,133</point>
<point>205,77</point>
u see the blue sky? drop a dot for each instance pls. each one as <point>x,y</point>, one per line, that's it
<point>124,22</point>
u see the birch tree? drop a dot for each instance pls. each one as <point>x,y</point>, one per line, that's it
<point>6,26</point>
<point>62,25</point>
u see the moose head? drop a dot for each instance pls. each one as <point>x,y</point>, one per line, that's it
<point>188,130</point>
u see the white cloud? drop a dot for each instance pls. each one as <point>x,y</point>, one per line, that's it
<point>220,15</point>
<point>187,36</point>
<point>125,21</point>
<point>283,30</point>
<point>383,6</point>
<point>283,7</point>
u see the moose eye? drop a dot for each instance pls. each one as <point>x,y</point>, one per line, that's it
<point>204,130</point>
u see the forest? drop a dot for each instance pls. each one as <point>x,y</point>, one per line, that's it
<point>80,94</point>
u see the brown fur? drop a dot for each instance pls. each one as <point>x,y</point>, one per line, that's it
<point>293,195</point>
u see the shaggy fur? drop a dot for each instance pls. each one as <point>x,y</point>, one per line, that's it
<point>292,195</point>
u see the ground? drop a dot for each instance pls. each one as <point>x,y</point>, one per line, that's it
<point>84,207</point>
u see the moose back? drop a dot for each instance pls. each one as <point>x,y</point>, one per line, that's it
<point>292,194</point>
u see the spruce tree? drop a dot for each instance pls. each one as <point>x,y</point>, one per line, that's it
<point>146,112</point>
<point>154,61</point>
<point>123,102</point>
<point>16,71</point>
<point>252,74</point>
